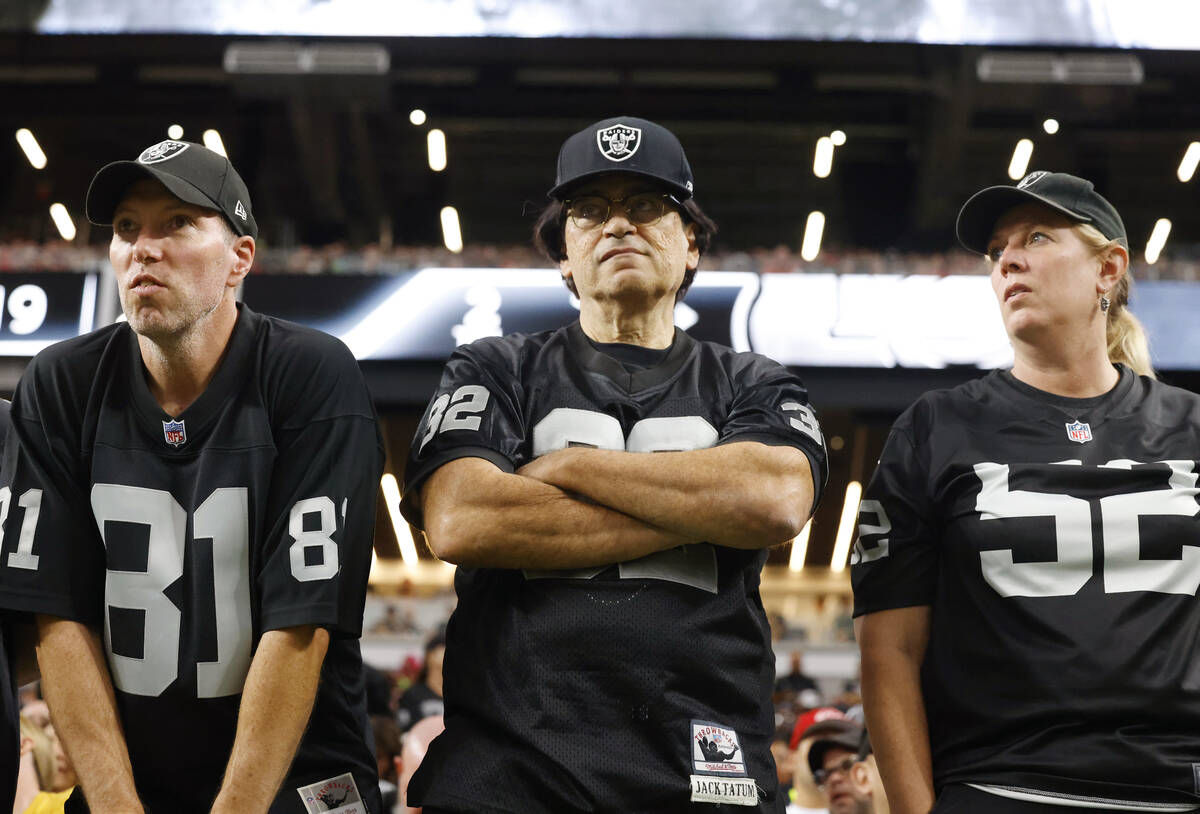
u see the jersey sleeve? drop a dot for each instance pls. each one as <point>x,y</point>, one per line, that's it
<point>475,413</point>
<point>320,509</point>
<point>894,563</point>
<point>51,556</point>
<point>770,405</point>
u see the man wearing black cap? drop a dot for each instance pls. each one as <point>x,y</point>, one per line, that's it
<point>609,651</point>
<point>197,483</point>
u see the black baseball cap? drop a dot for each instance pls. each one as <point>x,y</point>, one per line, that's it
<point>191,172</point>
<point>1072,196</point>
<point>845,735</point>
<point>624,144</point>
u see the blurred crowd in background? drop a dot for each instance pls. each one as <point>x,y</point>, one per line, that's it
<point>340,258</point>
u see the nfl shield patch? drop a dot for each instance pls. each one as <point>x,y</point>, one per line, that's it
<point>619,142</point>
<point>1079,432</point>
<point>174,432</point>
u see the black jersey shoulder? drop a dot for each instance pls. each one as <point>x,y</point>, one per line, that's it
<point>59,381</point>
<point>68,368</point>
<point>5,421</point>
<point>307,375</point>
<point>746,367</point>
<point>978,401</point>
<point>508,357</point>
<point>1164,404</point>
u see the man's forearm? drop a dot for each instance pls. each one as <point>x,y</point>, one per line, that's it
<point>895,707</point>
<point>744,495</point>
<point>478,516</point>
<point>277,701</point>
<point>79,690</point>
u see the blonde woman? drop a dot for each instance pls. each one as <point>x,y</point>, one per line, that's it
<point>46,776</point>
<point>1029,554</point>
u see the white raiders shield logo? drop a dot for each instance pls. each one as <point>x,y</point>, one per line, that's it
<point>1032,178</point>
<point>161,151</point>
<point>618,142</point>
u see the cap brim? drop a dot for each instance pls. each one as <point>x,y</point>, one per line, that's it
<point>110,184</point>
<point>558,193</point>
<point>846,740</point>
<point>979,214</point>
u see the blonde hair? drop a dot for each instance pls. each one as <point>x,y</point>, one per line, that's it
<point>1126,338</point>
<point>43,752</point>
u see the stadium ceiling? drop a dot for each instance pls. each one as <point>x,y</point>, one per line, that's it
<point>331,155</point>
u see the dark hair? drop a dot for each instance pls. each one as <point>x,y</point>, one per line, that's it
<point>438,639</point>
<point>548,236</point>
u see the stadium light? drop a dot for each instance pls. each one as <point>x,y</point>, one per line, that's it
<point>31,148</point>
<point>823,157</point>
<point>435,140</point>
<point>1050,126</point>
<point>212,140</point>
<point>841,544</point>
<point>451,231</point>
<point>391,499</point>
<point>175,131</point>
<point>62,220</point>
<point>417,117</point>
<point>813,229</point>
<point>1158,239</point>
<point>1020,159</point>
<point>838,137</point>
<point>800,548</point>
<point>1191,157</point>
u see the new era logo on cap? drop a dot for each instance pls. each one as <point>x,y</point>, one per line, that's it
<point>240,210</point>
<point>619,142</point>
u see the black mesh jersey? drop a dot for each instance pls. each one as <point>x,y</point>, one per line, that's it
<point>187,539</point>
<point>1058,544</point>
<point>10,733</point>
<point>579,691</point>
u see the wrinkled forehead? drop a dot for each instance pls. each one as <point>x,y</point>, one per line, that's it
<point>1030,214</point>
<point>151,192</point>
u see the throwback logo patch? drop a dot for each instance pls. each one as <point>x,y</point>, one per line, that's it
<point>619,142</point>
<point>162,151</point>
<point>1079,432</point>
<point>720,767</point>
<point>175,433</point>
<point>716,750</point>
<point>337,795</point>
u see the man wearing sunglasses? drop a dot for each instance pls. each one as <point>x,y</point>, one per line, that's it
<point>609,490</point>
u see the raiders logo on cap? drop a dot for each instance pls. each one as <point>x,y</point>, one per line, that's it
<point>161,151</point>
<point>618,142</point>
<point>1032,178</point>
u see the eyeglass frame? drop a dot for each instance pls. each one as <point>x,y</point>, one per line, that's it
<point>821,776</point>
<point>663,196</point>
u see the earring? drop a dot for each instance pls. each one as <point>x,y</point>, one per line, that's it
<point>1104,303</point>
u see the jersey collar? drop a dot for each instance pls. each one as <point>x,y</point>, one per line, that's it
<point>594,361</point>
<point>231,371</point>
